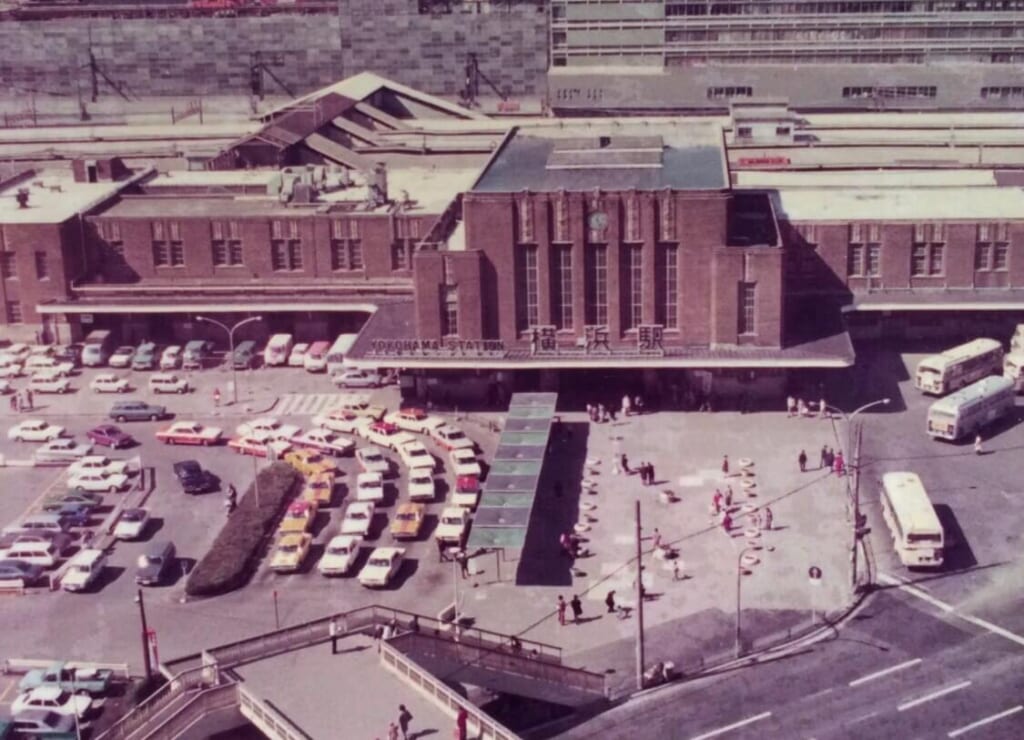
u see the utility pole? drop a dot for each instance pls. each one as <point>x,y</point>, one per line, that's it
<point>856,509</point>
<point>639,603</point>
<point>145,633</point>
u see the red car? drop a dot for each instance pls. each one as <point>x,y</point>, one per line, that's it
<point>109,435</point>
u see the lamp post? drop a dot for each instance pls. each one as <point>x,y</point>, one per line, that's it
<point>739,580</point>
<point>145,633</point>
<point>231,347</point>
<point>855,468</point>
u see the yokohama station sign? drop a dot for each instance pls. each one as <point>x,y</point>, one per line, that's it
<point>490,348</point>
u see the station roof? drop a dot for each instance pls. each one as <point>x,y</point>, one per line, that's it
<point>53,197</point>
<point>506,502</point>
<point>899,204</point>
<point>939,299</point>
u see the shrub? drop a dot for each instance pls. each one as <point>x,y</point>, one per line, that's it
<point>233,556</point>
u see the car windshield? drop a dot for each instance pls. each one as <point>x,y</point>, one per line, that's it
<point>422,479</point>
<point>337,550</point>
<point>133,515</point>
<point>368,484</point>
<point>147,560</point>
<point>373,456</point>
<point>289,548</point>
<point>357,515</point>
<point>418,452</point>
<point>454,434</point>
<point>379,562</point>
<point>81,569</point>
<point>407,516</point>
<point>451,520</point>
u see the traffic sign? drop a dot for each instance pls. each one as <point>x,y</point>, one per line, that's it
<point>814,573</point>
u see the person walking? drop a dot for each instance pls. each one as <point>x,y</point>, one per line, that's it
<point>463,560</point>
<point>561,610</point>
<point>728,496</point>
<point>624,464</point>
<point>656,540</point>
<point>461,724</point>
<point>609,601</point>
<point>822,408</point>
<point>727,523</point>
<point>392,731</point>
<point>768,518</point>
<point>216,396</point>
<point>650,474</point>
<point>335,632</point>
<point>678,570</point>
<point>802,459</point>
<point>977,445</point>
<point>823,461</point>
<point>577,608</point>
<point>716,502</point>
<point>404,718</point>
<point>725,465</point>
<point>14,402</point>
<point>29,399</point>
<point>830,459</point>
<point>627,405</point>
<point>839,465</point>
<point>638,405</point>
<point>790,406</point>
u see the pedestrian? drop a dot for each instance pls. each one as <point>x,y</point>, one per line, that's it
<point>823,461</point>
<point>650,473</point>
<point>802,459</point>
<point>624,464</point>
<point>232,494</point>
<point>830,458</point>
<point>801,408</point>
<point>561,610</point>
<point>627,405</point>
<point>414,624</point>
<point>28,399</point>
<point>334,632</point>
<point>565,542</point>
<point>839,464</point>
<point>790,406</point>
<point>392,731</point>
<point>638,405</point>
<point>404,718</point>
<point>577,608</point>
<point>727,523</point>
<point>822,409</point>
<point>461,722</point>
<point>656,540</point>
<point>977,445</point>
<point>14,402</point>
<point>768,518</point>
<point>678,570</point>
<point>725,465</point>
<point>728,496</point>
<point>388,632</point>
<point>378,635</point>
<point>590,412</point>
<point>463,561</point>
<point>216,396</point>
<point>716,502</point>
<point>609,601</point>
<point>440,551</point>
<point>602,414</point>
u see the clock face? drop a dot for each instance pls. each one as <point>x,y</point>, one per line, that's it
<point>598,220</point>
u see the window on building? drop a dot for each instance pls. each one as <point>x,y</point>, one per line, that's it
<point>726,92</point>
<point>666,286</point>
<point>1003,93</point>
<point>177,253</point>
<point>927,253</point>
<point>8,265</point>
<point>42,266</point>
<point>992,249</point>
<point>746,313</point>
<point>595,268</point>
<point>527,280</point>
<point>226,244</point>
<point>161,254</point>
<point>633,280</point>
<point>562,282</point>
<point>450,311</point>
<point>401,254</point>
<point>346,254</point>
<point>285,246</point>
<point>864,251</point>
<point>14,312</point>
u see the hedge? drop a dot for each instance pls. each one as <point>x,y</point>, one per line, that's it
<point>233,557</point>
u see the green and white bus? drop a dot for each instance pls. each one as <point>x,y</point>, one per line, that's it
<point>959,366</point>
<point>916,530</point>
<point>971,408</point>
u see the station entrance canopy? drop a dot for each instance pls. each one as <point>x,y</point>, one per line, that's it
<point>503,516</point>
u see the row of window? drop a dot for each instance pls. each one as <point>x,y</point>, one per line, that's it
<point>285,254</point>
<point>926,259</point>
<point>895,91</point>
<point>9,265</point>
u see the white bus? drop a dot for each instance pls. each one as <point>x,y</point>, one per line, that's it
<point>916,530</point>
<point>1013,368</point>
<point>959,366</point>
<point>338,352</point>
<point>971,408</point>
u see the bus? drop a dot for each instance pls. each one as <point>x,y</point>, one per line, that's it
<point>1013,368</point>
<point>916,530</point>
<point>971,408</point>
<point>959,366</point>
<point>338,352</point>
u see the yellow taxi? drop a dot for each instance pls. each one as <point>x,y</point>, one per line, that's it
<point>299,517</point>
<point>319,489</point>
<point>310,462</point>
<point>408,521</point>
<point>290,551</point>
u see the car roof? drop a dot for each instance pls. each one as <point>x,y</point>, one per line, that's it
<point>292,538</point>
<point>410,506</point>
<point>344,539</point>
<point>368,477</point>
<point>85,557</point>
<point>386,552</point>
<point>46,692</point>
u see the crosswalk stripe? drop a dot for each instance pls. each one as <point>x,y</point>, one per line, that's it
<point>307,404</point>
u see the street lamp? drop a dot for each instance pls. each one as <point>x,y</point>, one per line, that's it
<point>855,467</point>
<point>145,633</point>
<point>739,580</point>
<point>231,347</point>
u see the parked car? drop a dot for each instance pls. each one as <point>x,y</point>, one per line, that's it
<point>98,463</point>
<point>382,566</point>
<point>18,570</point>
<point>326,441</point>
<point>196,354</point>
<point>464,462</point>
<point>358,518</point>
<point>145,357</point>
<point>244,356</point>
<point>49,381</point>
<point>415,455</point>
<point>171,358</point>
<point>358,404</point>
<point>5,387</point>
<point>109,383</point>
<point>310,462</point>
<point>109,435</point>
<point>18,350</point>
<point>319,488</point>
<point>53,699</point>
<point>451,530</point>
<point>61,540</point>
<point>192,477</point>
<point>369,487</point>
<point>297,357</point>
<point>123,411</point>
<point>83,570</point>
<point>75,513</point>
<point>122,356</point>
<point>131,524</point>
<point>35,430</point>
<point>408,521</point>
<point>299,517</point>
<point>189,433</point>
<point>268,426</point>
<point>10,368</point>
<point>387,435</point>
<point>98,481</point>
<point>451,438</point>
<point>421,485</point>
<point>372,460</point>
<point>35,363</point>
<point>339,555</point>
<point>40,723</point>
<point>38,523</point>
<point>168,383</point>
<point>62,449</point>
<point>43,554</point>
<point>467,491</point>
<point>355,378</point>
<point>315,360</point>
<point>414,420</point>
<point>290,551</point>
<point>345,422</point>
<point>259,446</point>
<point>68,353</point>
<point>155,563</point>
<point>93,681</point>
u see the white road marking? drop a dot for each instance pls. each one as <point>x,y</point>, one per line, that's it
<point>985,721</point>
<point>733,726</point>
<point>950,609</point>
<point>884,672</point>
<point>933,695</point>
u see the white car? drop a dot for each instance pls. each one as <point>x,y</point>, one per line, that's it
<point>268,427</point>
<point>372,460</point>
<point>421,485</point>
<point>171,358</point>
<point>97,482</point>
<point>382,566</point>
<point>414,420</point>
<point>53,699</point>
<point>109,383</point>
<point>49,381</point>
<point>98,464</point>
<point>358,379</point>
<point>18,350</point>
<point>297,357</point>
<point>386,435</point>
<point>132,524</point>
<point>369,487</point>
<point>451,529</point>
<point>451,438</point>
<point>11,369</point>
<point>464,462</point>
<point>339,556</point>
<point>415,455</point>
<point>45,362</point>
<point>168,383</point>
<point>358,518</point>
<point>5,387</point>
<point>62,449</point>
<point>122,356</point>
<point>344,422</point>
<point>35,430</point>
<point>326,441</point>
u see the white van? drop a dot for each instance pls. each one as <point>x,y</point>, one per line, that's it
<point>83,569</point>
<point>167,383</point>
<point>338,352</point>
<point>32,552</point>
<point>278,349</point>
